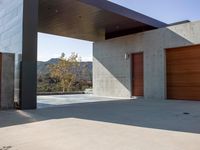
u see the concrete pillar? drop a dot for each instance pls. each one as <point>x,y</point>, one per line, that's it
<point>7,61</point>
<point>29,55</point>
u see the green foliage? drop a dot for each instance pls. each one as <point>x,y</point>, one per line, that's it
<point>63,71</point>
<point>65,76</point>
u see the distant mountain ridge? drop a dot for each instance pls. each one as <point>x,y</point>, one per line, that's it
<point>42,66</point>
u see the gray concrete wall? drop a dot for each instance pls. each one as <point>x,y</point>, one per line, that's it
<point>11,23</point>
<point>7,81</point>
<point>18,35</point>
<point>112,73</point>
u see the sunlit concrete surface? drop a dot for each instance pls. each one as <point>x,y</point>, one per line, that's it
<point>118,125</point>
<point>112,73</point>
<point>59,100</point>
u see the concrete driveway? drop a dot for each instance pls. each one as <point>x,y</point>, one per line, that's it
<point>60,100</point>
<point>118,125</point>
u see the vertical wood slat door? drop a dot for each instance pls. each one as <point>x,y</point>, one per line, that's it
<point>183,73</point>
<point>137,74</point>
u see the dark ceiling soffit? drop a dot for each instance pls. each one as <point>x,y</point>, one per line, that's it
<point>120,10</point>
<point>127,32</point>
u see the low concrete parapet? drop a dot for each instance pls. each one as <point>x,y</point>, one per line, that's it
<point>60,93</point>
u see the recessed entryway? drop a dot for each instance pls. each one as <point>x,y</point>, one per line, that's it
<point>183,73</point>
<point>137,74</point>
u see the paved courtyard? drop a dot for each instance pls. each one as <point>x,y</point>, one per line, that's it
<point>60,100</point>
<point>104,125</point>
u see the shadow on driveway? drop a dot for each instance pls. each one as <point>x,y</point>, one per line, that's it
<point>181,116</point>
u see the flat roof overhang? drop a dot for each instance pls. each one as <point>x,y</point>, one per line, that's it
<point>91,20</point>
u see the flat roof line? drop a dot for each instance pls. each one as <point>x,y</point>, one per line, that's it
<point>180,22</point>
<point>125,12</point>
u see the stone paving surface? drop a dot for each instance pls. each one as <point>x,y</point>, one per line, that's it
<point>59,100</point>
<point>106,125</point>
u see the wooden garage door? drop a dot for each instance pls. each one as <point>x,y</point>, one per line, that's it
<point>183,73</point>
<point>137,75</point>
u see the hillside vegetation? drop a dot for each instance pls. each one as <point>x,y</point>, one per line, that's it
<point>64,74</point>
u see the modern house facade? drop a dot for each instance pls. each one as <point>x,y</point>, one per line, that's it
<point>165,75</point>
<point>134,55</point>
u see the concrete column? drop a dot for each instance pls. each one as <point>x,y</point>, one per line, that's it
<point>29,55</point>
<point>7,80</point>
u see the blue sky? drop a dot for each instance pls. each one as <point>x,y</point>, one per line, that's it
<point>51,46</point>
<point>169,11</point>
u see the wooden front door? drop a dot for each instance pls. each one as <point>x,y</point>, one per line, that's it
<point>137,74</point>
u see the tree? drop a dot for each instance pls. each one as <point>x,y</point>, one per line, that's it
<point>65,71</point>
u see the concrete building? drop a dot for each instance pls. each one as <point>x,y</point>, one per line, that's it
<point>113,73</point>
<point>134,55</point>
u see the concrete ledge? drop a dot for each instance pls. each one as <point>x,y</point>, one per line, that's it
<point>60,93</point>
